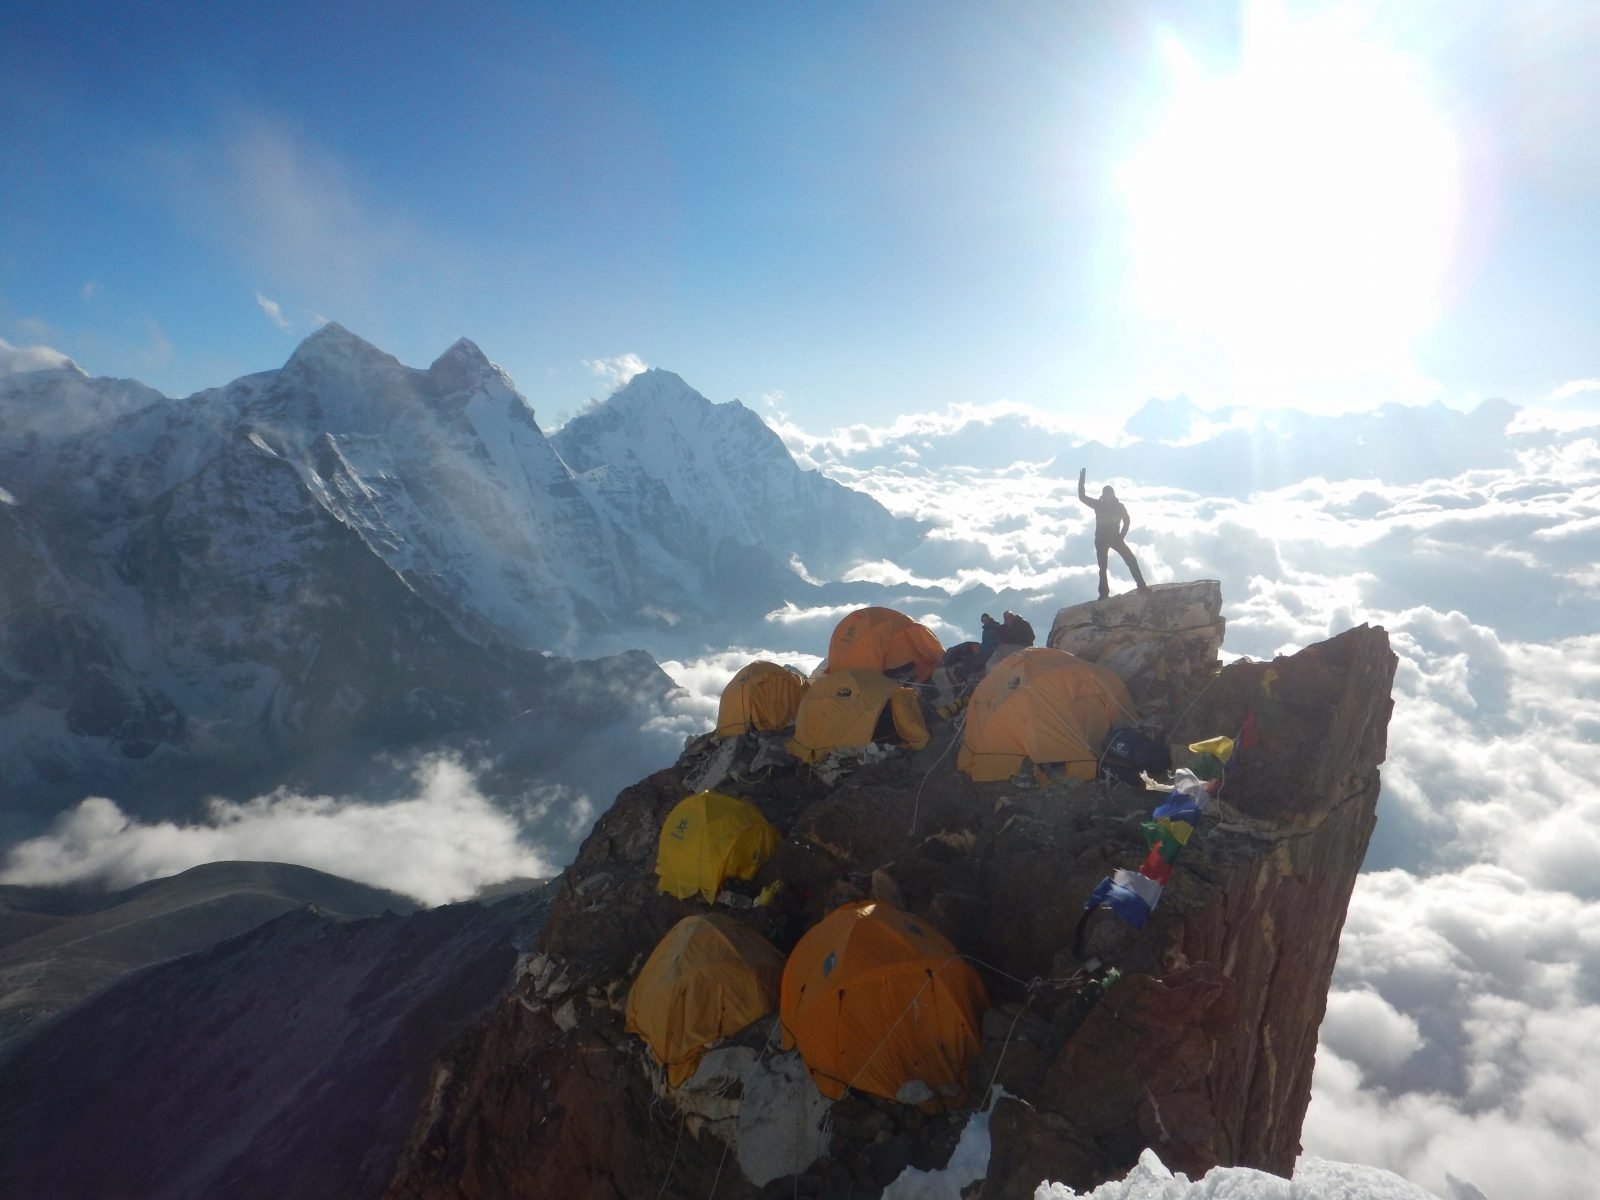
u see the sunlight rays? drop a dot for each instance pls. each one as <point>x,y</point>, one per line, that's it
<point>1300,212</point>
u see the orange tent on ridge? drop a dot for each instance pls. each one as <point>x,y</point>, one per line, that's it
<point>884,639</point>
<point>878,1000</point>
<point>707,979</point>
<point>1045,705</point>
<point>762,696</point>
<point>848,710</point>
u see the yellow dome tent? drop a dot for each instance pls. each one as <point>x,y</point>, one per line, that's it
<point>708,978</point>
<point>851,709</point>
<point>709,837</point>
<point>1045,705</point>
<point>883,639</point>
<point>878,1000</point>
<point>762,696</point>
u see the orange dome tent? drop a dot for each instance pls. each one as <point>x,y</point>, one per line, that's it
<point>882,639</point>
<point>709,837</point>
<point>878,1000</point>
<point>762,696</point>
<point>846,710</point>
<point>708,978</point>
<point>1045,705</point>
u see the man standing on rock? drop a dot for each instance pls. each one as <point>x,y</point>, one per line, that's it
<point>1111,526</point>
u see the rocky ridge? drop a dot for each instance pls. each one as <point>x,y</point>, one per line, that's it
<point>60,945</point>
<point>290,1060</point>
<point>1202,1047</point>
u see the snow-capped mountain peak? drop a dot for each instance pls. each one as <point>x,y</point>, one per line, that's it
<point>333,340</point>
<point>727,471</point>
<point>462,366</point>
<point>246,537</point>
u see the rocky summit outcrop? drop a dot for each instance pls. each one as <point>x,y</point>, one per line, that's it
<point>1194,1035</point>
<point>1161,640</point>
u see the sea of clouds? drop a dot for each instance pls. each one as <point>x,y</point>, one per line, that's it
<point>1454,1049</point>
<point>1455,1046</point>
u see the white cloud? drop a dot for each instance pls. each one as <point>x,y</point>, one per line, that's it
<point>90,289</point>
<point>823,614</point>
<point>1503,981</point>
<point>440,844</point>
<point>909,436</point>
<point>615,371</point>
<point>16,359</point>
<point>1469,972</point>
<point>301,219</point>
<point>692,709</point>
<point>1586,389</point>
<point>274,312</point>
<point>1364,1027</point>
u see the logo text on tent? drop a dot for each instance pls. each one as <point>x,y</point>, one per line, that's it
<point>682,830</point>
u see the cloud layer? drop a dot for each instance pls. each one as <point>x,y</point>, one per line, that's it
<point>1468,986</point>
<point>615,371</point>
<point>441,843</point>
<point>16,359</point>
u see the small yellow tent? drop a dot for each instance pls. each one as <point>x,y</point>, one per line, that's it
<point>878,1000</point>
<point>851,709</point>
<point>709,837</point>
<point>1045,705</point>
<point>883,639</point>
<point>707,979</point>
<point>762,696</point>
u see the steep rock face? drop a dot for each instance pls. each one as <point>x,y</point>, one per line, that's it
<point>1203,1049</point>
<point>724,475</point>
<point>1160,641</point>
<point>287,1061</point>
<point>232,630</point>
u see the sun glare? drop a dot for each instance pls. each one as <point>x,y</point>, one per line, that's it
<point>1299,212</point>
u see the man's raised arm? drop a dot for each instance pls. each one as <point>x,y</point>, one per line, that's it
<point>1083,473</point>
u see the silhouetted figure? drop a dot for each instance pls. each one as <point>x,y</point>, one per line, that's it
<point>1015,630</point>
<point>1111,526</point>
<point>991,636</point>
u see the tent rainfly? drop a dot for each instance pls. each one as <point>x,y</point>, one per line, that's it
<point>709,837</point>
<point>886,640</point>
<point>848,710</point>
<point>763,696</point>
<point>878,1000</point>
<point>1045,705</point>
<point>707,979</point>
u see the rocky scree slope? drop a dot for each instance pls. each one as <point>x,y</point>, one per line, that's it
<point>1203,1049</point>
<point>290,1060</point>
<point>59,945</point>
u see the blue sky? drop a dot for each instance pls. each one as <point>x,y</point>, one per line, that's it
<point>865,209</point>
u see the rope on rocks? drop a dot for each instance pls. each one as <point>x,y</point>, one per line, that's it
<point>717,1178</point>
<point>683,1119</point>
<point>916,804</point>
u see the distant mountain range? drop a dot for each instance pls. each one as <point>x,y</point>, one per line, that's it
<point>60,945</point>
<point>275,580</point>
<point>281,580</point>
<point>284,1054</point>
